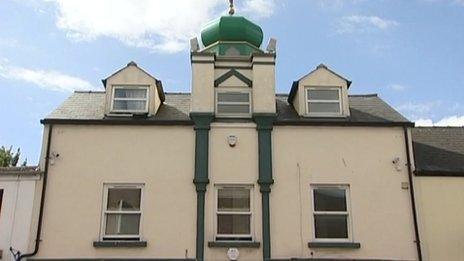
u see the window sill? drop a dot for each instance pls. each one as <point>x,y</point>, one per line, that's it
<point>251,244</point>
<point>120,243</point>
<point>353,245</point>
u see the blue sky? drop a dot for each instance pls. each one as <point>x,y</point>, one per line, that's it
<point>410,52</point>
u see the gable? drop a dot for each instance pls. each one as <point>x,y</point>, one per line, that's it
<point>323,76</point>
<point>233,78</point>
<point>131,74</point>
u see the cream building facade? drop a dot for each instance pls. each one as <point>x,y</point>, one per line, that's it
<point>439,182</point>
<point>230,171</point>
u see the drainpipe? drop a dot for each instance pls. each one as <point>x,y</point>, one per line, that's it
<point>42,199</point>
<point>411,190</point>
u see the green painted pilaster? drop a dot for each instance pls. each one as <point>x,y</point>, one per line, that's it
<point>264,124</point>
<point>202,126</point>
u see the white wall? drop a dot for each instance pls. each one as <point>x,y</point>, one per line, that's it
<point>16,213</point>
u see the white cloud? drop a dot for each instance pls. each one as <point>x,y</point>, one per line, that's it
<point>336,3</point>
<point>397,87</point>
<point>259,8</point>
<point>419,108</point>
<point>162,26</point>
<point>360,23</point>
<point>455,120</point>
<point>50,80</point>
<point>423,122</point>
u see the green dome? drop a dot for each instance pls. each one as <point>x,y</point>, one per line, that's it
<point>232,29</point>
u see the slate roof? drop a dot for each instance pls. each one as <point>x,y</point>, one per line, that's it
<point>439,151</point>
<point>28,170</point>
<point>364,109</point>
<point>88,107</point>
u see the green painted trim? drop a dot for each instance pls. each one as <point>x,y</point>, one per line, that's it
<point>227,244</point>
<point>354,245</point>
<point>120,243</point>
<point>264,125</point>
<point>202,126</point>
<point>221,48</point>
<point>230,73</point>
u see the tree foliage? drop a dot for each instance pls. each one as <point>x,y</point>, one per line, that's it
<point>9,158</point>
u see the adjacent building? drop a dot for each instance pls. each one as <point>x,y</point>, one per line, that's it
<point>439,186</point>
<point>17,194</point>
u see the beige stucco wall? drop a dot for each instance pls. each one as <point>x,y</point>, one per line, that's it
<point>264,85</point>
<point>440,204</point>
<point>161,157</point>
<point>321,77</point>
<point>202,84</point>
<point>360,157</point>
<point>132,75</point>
<point>233,165</point>
<point>206,69</point>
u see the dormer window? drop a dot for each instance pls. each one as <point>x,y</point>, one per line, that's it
<point>233,102</point>
<point>130,99</point>
<point>323,101</point>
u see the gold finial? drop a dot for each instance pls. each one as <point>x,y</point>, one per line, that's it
<point>231,7</point>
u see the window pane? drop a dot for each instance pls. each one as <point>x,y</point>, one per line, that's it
<point>234,199</point>
<point>130,93</point>
<point>130,105</point>
<point>242,108</point>
<point>323,95</point>
<point>122,224</point>
<point>233,224</point>
<point>233,97</point>
<point>331,226</point>
<point>324,107</point>
<point>329,199</point>
<point>123,199</point>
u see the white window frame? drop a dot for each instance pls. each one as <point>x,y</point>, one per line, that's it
<point>346,188</point>
<point>106,187</point>
<point>323,114</point>
<point>146,99</point>
<point>217,212</point>
<point>233,89</point>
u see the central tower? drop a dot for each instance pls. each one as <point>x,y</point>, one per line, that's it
<point>232,77</point>
<point>233,85</point>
